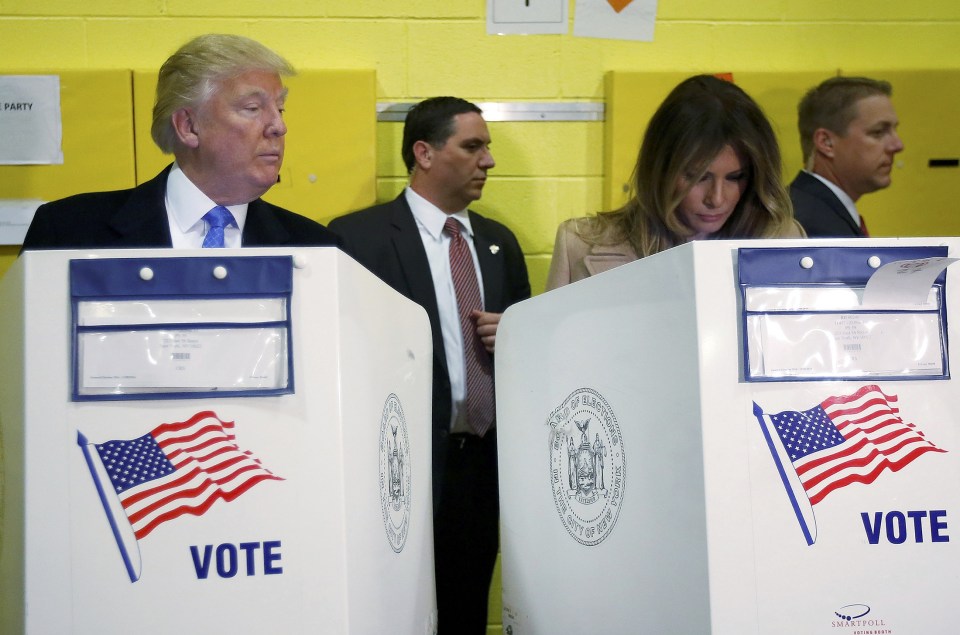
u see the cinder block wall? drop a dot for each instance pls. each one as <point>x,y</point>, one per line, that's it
<point>545,172</point>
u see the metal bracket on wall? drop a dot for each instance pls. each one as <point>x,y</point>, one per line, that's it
<point>511,111</point>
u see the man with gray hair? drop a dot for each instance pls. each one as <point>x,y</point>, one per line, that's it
<point>219,111</point>
<point>848,134</point>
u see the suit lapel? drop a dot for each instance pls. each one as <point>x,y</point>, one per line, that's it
<point>262,228</point>
<point>490,257</point>
<point>415,268</point>
<point>142,220</point>
<point>813,185</point>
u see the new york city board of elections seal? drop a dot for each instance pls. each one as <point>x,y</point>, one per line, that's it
<point>587,466</point>
<point>394,473</point>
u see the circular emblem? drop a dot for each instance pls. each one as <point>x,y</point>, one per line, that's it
<point>587,466</point>
<point>394,473</point>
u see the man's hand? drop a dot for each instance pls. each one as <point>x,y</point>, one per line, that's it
<point>487,324</point>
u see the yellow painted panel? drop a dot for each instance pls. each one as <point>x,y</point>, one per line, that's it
<point>632,98</point>
<point>547,148</point>
<point>8,253</point>
<point>389,188</point>
<point>97,113</point>
<point>329,166</point>
<point>389,140</point>
<point>537,268</point>
<point>778,94</point>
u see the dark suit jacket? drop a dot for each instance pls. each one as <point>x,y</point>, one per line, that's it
<point>386,240</point>
<point>138,218</point>
<point>819,210</point>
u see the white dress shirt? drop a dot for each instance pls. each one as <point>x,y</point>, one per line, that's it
<point>186,205</point>
<point>430,220</point>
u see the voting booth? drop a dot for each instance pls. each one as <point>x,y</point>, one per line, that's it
<point>227,443</point>
<point>735,437</point>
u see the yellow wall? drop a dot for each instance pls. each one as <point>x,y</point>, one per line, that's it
<point>546,171</point>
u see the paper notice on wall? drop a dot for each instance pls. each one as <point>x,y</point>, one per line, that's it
<point>526,17</point>
<point>615,19</point>
<point>30,124</point>
<point>15,217</point>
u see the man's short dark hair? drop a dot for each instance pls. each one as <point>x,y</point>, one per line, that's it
<point>432,121</point>
<point>833,105</point>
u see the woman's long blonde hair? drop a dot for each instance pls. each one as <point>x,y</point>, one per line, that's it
<point>699,117</point>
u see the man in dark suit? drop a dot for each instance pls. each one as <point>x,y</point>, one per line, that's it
<point>218,110</point>
<point>412,243</point>
<point>848,133</point>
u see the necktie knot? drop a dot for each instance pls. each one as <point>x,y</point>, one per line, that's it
<point>217,219</point>
<point>452,227</point>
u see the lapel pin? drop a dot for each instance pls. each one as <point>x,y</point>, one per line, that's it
<point>494,249</point>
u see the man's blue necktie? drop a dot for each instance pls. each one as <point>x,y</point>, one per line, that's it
<point>217,218</point>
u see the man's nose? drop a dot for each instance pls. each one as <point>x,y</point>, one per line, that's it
<point>896,144</point>
<point>276,126</point>
<point>486,160</point>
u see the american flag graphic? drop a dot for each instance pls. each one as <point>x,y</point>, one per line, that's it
<point>843,440</point>
<point>177,469</point>
<point>849,439</point>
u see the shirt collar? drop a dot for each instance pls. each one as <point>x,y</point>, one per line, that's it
<point>186,204</point>
<point>431,217</point>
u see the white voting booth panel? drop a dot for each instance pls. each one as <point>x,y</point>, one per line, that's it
<point>331,534</point>
<point>642,492</point>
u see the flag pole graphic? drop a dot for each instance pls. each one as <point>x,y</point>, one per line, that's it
<point>801,504</point>
<point>128,546</point>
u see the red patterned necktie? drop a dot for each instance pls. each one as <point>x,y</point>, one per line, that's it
<point>479,365</point>
<point>863,228</point>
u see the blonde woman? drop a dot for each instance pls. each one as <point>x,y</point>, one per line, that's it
<point>709,167</point>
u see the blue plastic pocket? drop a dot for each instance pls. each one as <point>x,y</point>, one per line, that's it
<point>163,328</point>
<point>804,316</point>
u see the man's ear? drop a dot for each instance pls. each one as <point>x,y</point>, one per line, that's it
<point>184,124</point>
<point>823,141</point>
<point>422,154</point>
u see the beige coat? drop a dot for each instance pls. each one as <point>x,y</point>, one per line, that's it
<point>575,259</point>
